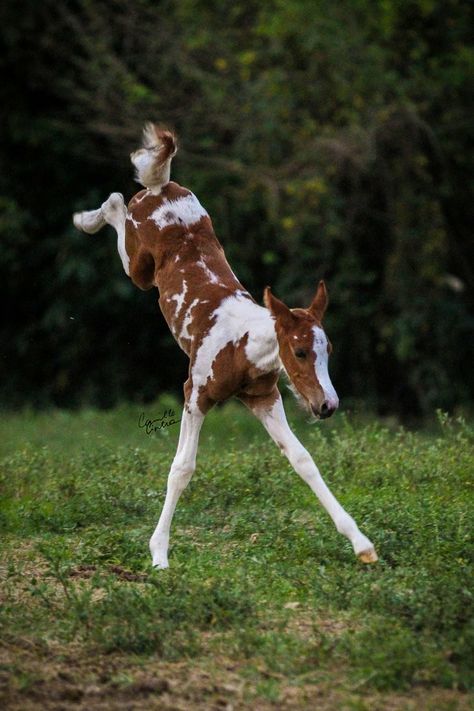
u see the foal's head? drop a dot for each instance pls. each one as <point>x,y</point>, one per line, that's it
<point>304,350</point>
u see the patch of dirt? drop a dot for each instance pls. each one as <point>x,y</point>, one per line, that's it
<point>83,571</point>
<point>87,571</point>
<point>54,678</point>
<point>307,624</point>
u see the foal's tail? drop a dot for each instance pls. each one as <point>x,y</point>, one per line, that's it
<point>153,160</point>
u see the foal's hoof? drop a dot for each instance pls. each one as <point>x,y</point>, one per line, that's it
<point>89,221</point>
<point>77,220</point>
<point>368,556</point>
<point>160,564</point>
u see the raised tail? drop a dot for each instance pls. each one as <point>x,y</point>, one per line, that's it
<point>153,161</point>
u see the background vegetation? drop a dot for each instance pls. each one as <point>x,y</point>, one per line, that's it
<point>265,605</point>
<point>326,139</point>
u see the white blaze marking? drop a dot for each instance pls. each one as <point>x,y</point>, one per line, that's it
<point>320,349</point>
<point>236,316</point>
<point>187,210</point>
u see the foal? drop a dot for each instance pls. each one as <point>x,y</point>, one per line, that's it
<point>165,239</point>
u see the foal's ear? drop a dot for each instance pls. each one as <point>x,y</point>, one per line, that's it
<point>277,308</point>
<point>320,302</point>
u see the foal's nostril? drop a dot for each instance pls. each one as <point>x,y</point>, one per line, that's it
<point>326,411</point>
<point>322,411</point>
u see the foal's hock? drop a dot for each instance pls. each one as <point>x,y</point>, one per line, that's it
<point>165,239</point>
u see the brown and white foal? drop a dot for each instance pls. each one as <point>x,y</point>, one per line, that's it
<point>235,347</point>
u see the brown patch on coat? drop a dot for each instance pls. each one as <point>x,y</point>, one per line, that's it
<point>167,257</point>
<point>262,399</point>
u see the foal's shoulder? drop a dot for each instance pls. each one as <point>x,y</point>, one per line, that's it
<point>149,199</point>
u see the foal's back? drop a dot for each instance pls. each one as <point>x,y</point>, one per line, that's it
<point>172,245</point>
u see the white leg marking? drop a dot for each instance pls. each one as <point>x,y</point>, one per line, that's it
<point>179,477</point>
<point>89,221</point>
<point>115,214</point>
<point>275,423</point>
<point>111,212</point>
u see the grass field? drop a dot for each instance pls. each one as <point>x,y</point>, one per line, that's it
<point>264,605</point>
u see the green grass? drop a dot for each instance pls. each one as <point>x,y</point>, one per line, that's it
<point>259,577</point>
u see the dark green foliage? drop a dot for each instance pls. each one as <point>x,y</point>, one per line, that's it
<point>328,139</point>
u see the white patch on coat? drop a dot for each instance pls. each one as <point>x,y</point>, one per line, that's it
<point>320,349</point>
<point>188,317</point>
<point>235,317</point>
<point>132,219</point>
<point>186,210</point>
<point>145,194</point>
<point>210,275</point>
<point>179,298</point>
<point>213,278</point>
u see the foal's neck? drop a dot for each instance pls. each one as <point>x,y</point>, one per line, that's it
<point>262,344</point>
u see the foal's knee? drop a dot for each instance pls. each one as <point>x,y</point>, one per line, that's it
<point>113,207</point>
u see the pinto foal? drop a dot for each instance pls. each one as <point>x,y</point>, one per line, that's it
<point>165,239</point>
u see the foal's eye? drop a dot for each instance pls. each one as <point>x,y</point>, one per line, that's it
<point>300,353</point>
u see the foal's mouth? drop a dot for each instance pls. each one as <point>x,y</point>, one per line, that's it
<point>312,410</point>
<point>323,412</point>
<point>315,412</point>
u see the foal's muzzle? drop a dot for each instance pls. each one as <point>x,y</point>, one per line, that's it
<point>325,411</point>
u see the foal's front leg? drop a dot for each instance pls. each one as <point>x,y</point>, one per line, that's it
<point>274,421</point>
<point>179,477</point>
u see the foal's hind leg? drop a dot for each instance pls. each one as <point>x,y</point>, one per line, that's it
<point>274,420</point>
<point>111,212</point>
